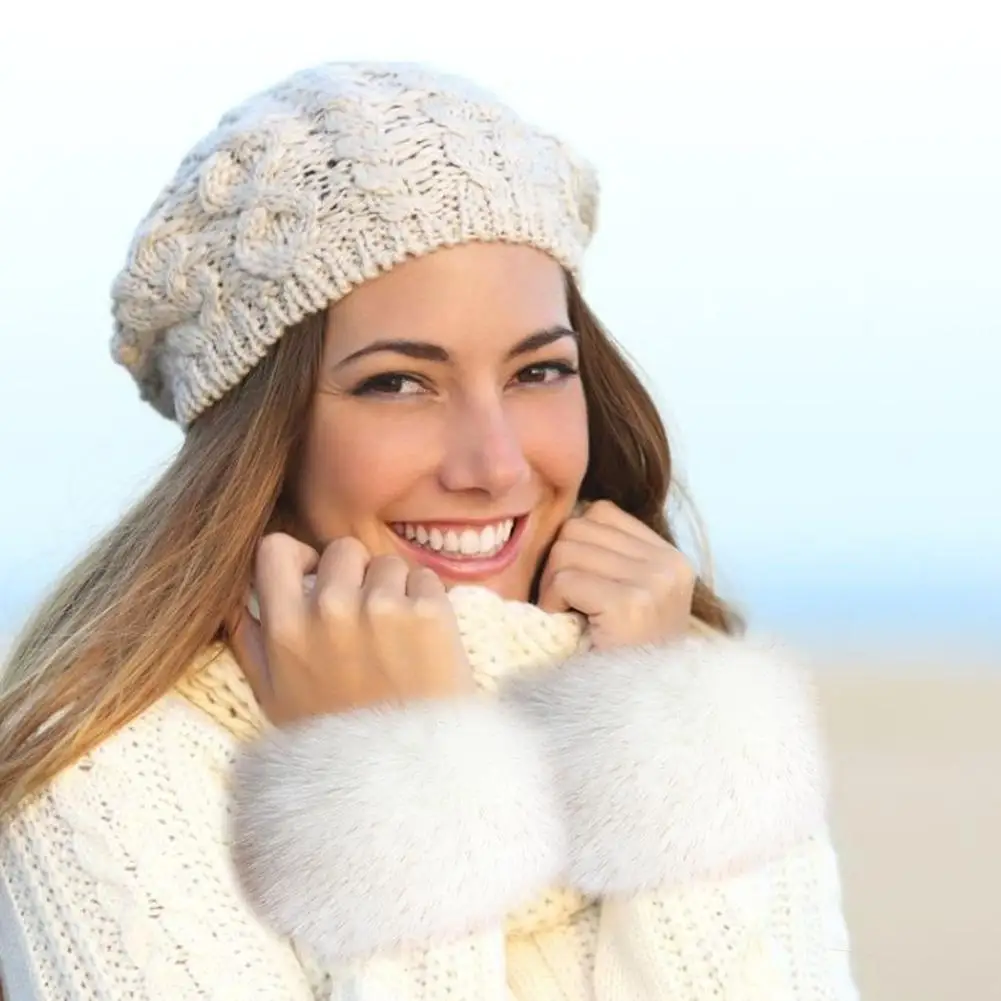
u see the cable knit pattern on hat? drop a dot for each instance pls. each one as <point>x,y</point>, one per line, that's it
<point>313,187</point>
<point>117,880</point>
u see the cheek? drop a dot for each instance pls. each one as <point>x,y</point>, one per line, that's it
<point>555,438</point>
<point>352,468</point>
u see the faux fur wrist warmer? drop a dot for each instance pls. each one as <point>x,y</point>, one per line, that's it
<point>390,827</point>
<point>678,763</point>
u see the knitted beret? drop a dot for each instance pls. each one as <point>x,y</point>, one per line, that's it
<point>309,189</point>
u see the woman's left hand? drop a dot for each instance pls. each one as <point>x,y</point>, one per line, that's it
<point>633,586</point>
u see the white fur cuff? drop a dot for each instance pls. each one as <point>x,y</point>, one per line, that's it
<point>678,763</point>
<point>390,827</point>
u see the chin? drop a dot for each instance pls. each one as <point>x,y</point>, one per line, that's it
<point>510,590</point>
<point>510,586</point>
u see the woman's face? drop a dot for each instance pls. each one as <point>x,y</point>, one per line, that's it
<point>450,425</point>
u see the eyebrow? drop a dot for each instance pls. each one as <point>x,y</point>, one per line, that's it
<point>426,351</point>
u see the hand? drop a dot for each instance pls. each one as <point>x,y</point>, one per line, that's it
<point>371,630</point>
<point>633,586</point>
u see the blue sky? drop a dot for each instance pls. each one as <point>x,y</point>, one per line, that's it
<point>799,246</point>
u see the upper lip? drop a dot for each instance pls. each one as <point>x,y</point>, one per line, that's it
<point>459,521</point>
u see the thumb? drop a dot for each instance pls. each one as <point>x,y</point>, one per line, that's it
<point>551,598</point>
<point>246,640</point>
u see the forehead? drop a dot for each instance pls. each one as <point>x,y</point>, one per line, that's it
<point>461,297</point>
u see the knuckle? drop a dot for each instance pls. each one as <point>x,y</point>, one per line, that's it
<point>561,549</point>
<point>573,529</point>
<point>333,606</point>
<point>429,610</point>
<point>663,577</point>
<point>382,605</point>
<point>602,509</point>
<point>680,569</point>
<point>271,545</point>
<point>671,565</point>
<point>641,598</point>
<point>348,545</point>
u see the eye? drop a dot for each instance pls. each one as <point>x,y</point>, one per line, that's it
<point>546,373</point>
<point>390,384</point>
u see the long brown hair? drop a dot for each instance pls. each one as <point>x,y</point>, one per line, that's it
<point>120,629</point>
<point>630,460</point>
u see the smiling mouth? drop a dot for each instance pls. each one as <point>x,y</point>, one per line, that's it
<point>457,541</point>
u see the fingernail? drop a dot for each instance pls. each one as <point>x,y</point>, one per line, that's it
<point>252,605</point>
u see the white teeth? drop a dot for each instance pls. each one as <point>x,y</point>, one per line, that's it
<point>470,542</point>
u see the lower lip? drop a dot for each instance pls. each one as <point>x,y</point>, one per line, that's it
<point>467,568</point>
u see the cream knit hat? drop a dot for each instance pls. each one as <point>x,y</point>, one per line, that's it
<point>311,188</point>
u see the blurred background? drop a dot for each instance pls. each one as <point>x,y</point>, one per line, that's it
<point>800,248</point>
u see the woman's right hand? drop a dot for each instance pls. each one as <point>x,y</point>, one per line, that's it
<point>372,630</point>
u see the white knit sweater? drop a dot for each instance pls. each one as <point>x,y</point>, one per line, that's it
<point>639,825</point>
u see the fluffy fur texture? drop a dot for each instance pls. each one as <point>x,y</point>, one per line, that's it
<point>679,763</point>
<point>392,827</point>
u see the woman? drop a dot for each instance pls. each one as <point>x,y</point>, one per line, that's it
<point>396,686</point>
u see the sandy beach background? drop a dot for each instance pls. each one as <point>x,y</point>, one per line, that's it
<point>916,758</point>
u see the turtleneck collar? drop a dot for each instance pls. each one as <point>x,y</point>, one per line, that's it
<point>502,638</point>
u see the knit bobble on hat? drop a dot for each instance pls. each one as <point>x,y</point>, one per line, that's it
<point>303,192</point>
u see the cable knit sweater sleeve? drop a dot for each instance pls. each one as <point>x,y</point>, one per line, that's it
<point>773,933</point>
<point>118,880</point>
<point>693,788</point>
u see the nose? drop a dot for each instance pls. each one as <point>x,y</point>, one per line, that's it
<point>484,450</point>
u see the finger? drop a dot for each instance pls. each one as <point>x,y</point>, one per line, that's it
<point>423,584</point>
<point>385,576</point>
<point>383,604</point>
<point>579,591</point>
<point>568,554</point>
<point>609,537</point>
<point>550,599</point>
<point>281,564</point>
<point>246,640</point>
<point>604,512</point>
<point>336,592</point>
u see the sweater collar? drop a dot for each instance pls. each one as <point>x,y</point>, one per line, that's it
<point>502,638</point>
